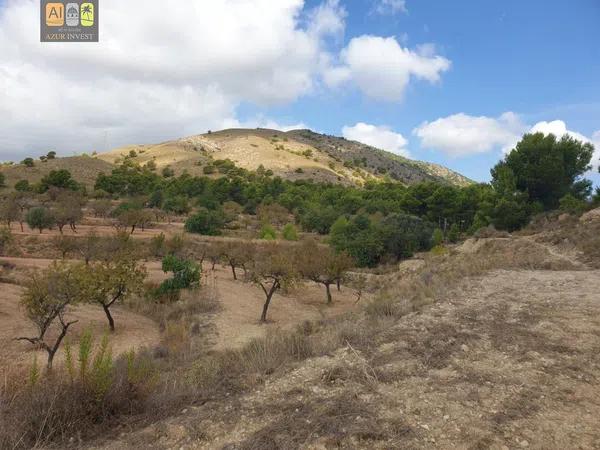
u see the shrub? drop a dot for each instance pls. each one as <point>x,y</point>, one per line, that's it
<point>186,274</point>
<point>571,204</point>
<point>268,232</point>
<point>28,162</point>
<point>22,186</point>
<point>206,222</point>
<point>91,392</point>
<point>438,237</point>
<point>290,232</point>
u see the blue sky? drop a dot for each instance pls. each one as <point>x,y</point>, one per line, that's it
<point>449,82</point>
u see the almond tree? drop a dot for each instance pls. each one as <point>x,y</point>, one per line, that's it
<point>237,255</point>
<point>322,265</point>
<point>272,268</point>
<point>46,298</point>
<point>112,281</point>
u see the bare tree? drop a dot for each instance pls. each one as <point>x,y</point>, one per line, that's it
<point>237,255</point>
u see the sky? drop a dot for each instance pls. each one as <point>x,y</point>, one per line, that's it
<point>451,82</point>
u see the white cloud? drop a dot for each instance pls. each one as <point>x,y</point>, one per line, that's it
<point>165,74</point>
<point>385,7</point>
<point>382,68</point>
<point>462,135</point>
<point>381,137</point>
<point>264,122</point>
<point>559,129</point>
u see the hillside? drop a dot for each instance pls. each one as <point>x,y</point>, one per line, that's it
<point>294,155</point>
<point>299,154</point>
<point>84,169</point>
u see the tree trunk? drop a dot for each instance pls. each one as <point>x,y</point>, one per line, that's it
<point>233,271</point>
<point>111,322</point>
<point>328,290</point>
<point>269,294</point>
<point>21,223</point>
<point>338,284</point>
<point>60,228</point>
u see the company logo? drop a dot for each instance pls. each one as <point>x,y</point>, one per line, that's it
<point>69,21</point>
<point>55,14</point>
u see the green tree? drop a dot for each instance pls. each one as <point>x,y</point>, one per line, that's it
<point>546,169</point>
<point>40,218</point>
<point>61,179</point>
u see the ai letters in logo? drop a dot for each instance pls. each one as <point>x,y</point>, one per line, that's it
<point>55,14</point>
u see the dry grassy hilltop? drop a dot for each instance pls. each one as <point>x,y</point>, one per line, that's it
<point>299,154</point>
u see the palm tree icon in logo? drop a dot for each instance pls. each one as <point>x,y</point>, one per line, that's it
<point>87,14</point>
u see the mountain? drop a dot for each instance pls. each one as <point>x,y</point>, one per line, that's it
<point>297,154</point>
<point>293,155</point>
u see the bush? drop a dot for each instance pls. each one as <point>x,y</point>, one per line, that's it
<point>268,232</point>
<point>92,392</point>
<point>22,186</point>
<point>438,237</point>
<point>186,274</point>
<point>571,204</point>
<point>290,232</point>
<point>28,162</point>
<point>207,222</point>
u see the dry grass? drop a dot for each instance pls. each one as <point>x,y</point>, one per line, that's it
<point>431,283</point>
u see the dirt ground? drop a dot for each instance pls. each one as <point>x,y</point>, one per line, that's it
<point>132,330</point>
<point>236,323</point>
<point>489,368</point>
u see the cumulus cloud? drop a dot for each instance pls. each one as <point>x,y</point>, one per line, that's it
<point>387,7</point>
<point>559,129</point>
<point>462,135</point>
<point>381,137</point>
<point>164,74</point>
<point>382,68</point>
